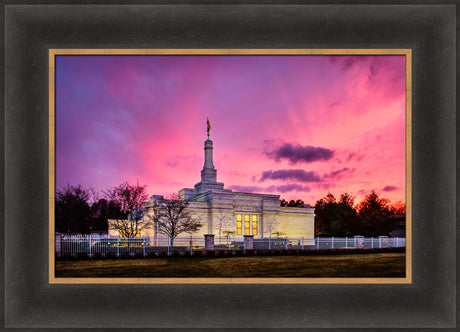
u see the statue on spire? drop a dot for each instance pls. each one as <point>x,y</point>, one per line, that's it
<point>209,125</point>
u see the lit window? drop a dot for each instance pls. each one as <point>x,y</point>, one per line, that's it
<point>246,225</point>
<point>138,233</point>
<point>238,224</point>
<point>254,225</point>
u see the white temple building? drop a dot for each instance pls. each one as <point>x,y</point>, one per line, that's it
<point>223,211</point>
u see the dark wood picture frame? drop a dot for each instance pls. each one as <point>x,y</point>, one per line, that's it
<point>30,31</point>
<point>406,277</point>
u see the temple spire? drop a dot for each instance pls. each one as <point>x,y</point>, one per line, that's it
<point>209,173</point>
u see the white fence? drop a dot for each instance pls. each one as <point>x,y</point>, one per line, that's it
<point>114,246</point>
<point>352,242</point>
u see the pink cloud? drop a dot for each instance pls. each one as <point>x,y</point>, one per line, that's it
<point>129,118</point>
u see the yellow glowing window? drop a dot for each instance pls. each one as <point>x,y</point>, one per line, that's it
<point>254,225</point>
<point>246,227</point>
<point>246,218</point>
<point>238,217</point>
<point>238,226</point>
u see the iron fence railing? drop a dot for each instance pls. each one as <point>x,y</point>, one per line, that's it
<point>114,246</point>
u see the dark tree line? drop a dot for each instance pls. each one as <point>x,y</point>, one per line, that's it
<point>78,212</point>
<point>292,203</point>
<point>340,217</point>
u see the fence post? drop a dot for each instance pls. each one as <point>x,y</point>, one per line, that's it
<point>229,241</point>
<point>169,240</point>
<point>396,242</point>
<point>302,242</point>
<point>269,240</point>
<point>248,242</point>
<point>144,247</point>
<point>359,241</point>
<point>90,245</point>
<point>317,242</point>
<point>372,243</point>
<point>383,241</point>
<point>191,246</point>
<point>285,243</point>
<point>118,247</point>
<point>332,242</point>
<point>346,242</point>
<point>209,242</point>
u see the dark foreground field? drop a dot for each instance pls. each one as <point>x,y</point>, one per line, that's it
<point>330,266</point>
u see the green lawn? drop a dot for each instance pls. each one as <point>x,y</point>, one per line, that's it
<point>331,266</point>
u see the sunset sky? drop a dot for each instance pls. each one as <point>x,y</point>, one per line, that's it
<point>297,126</point>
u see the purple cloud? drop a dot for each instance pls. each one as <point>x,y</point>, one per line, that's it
<point>288,187</point>
<point>324,185</point>
<point>348,62</point>
<point>337,174</point>
<point>246,189</point>
<point>389,188</point>
<point>296,153</point>
<point>355,156</point>
<point>290,174</point>
<point>273,189</point>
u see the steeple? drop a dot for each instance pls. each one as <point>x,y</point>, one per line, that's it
<point>208,173</point>
<point>208,181</point>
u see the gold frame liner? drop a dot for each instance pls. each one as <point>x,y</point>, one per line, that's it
<point>406,52</point>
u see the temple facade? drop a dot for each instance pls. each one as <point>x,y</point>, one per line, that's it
<point>223,211</point>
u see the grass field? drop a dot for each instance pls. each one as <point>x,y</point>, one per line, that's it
<point>331,266</point>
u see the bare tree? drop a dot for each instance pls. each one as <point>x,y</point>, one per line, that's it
<point>129,200</point>
<point>225,221</point>
<point>172,218</point>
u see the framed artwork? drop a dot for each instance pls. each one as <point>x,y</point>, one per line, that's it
<point>36,35</point>
<point>148,103</point>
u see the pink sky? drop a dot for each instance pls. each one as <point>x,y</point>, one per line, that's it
<point>297,126</point>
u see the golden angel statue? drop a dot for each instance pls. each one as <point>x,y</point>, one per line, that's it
<point>209,125</point>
